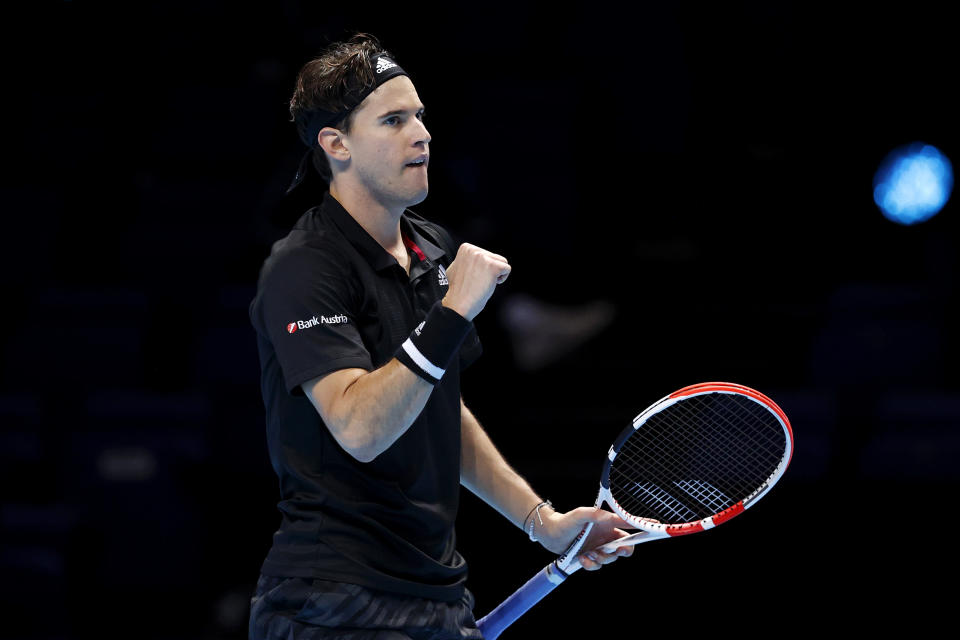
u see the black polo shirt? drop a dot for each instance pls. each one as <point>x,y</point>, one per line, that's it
<point>330,297</point>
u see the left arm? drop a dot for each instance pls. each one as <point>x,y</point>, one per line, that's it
<point>485,472</point>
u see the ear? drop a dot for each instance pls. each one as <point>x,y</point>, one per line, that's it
<point>333,143</point>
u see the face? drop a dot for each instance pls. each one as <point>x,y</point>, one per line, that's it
<point>389,144</point>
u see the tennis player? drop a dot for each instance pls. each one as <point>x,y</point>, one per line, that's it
<point>363,315</point>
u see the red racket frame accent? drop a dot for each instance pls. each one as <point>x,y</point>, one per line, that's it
<point>695,527</point>
<point>727,514</point>
<point>682,529</point>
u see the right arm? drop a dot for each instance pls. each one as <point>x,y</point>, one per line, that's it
<point>368,411</point>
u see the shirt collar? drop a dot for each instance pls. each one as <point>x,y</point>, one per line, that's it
<point>378,257</point>
<point>409,227</point>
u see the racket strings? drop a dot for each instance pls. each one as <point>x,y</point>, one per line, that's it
<point>743,447</point>
<point>716,452</point>
<point>676,505</point>
<point>697,457</point>
<point>743,438</point>
<point>708,461</point>
<point>710,466</point>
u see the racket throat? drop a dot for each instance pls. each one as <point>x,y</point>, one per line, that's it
<point>568,563</point>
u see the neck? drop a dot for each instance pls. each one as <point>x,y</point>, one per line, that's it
<point>381,222</point>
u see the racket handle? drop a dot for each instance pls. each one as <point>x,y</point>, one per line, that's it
<point>493,624</point>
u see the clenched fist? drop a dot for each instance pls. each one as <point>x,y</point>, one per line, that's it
<point>473,275</point>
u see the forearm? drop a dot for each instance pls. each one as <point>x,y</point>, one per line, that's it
<point>485,472</point>
<point>368,411</point>
<point>376,409</point>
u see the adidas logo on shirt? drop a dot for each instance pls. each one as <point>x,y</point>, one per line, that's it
<point>383,64</point>
<point>442,276</point>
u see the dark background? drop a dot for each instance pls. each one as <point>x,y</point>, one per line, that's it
<point>706,172</point>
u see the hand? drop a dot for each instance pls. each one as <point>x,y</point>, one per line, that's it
<point>560,529</point>
<point>473,275</point>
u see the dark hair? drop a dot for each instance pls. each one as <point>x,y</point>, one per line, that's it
<point>324,82</point>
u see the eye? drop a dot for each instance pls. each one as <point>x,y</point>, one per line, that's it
<point>392,120</point>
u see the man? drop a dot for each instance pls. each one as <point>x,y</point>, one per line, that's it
<point>364,321</point>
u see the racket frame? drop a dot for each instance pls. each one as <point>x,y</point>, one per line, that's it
<point>649,530</point>
<point>555,573</point>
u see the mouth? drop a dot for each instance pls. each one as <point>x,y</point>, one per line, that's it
<point>419,162</point>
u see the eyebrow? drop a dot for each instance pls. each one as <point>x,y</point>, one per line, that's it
<point>400,112</point>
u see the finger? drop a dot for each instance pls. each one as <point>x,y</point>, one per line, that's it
<point>602,534</point>
<point>607,519</point>
<point>501,265</point>
<point>620,523</point>
<point>621,552</point>
<point>589,561</point>
<point>595,559</point>
<point>606,558</point>
<point>623,542</point>
<point>583,515</point>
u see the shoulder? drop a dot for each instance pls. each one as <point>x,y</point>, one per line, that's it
<point>305,254</point>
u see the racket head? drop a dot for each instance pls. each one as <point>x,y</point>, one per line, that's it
<point>697,458</point>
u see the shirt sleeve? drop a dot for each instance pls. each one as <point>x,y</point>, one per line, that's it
<point>308,311</point>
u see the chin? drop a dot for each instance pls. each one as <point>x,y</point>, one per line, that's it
<point>418,197</point>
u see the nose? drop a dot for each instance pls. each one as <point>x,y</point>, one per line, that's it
<point>422,136</point>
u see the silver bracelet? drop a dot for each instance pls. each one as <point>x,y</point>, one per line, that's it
<point>536,511</point>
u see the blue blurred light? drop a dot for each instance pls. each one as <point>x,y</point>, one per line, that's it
<point>913,183</point>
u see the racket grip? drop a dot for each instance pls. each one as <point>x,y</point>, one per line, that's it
<point>518,603</point>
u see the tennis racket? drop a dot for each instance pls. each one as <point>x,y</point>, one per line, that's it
<point>691,461</point>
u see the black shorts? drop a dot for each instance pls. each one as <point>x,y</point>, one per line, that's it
<point>305,609</point>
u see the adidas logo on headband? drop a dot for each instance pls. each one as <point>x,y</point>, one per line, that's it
<point>384,63</point>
